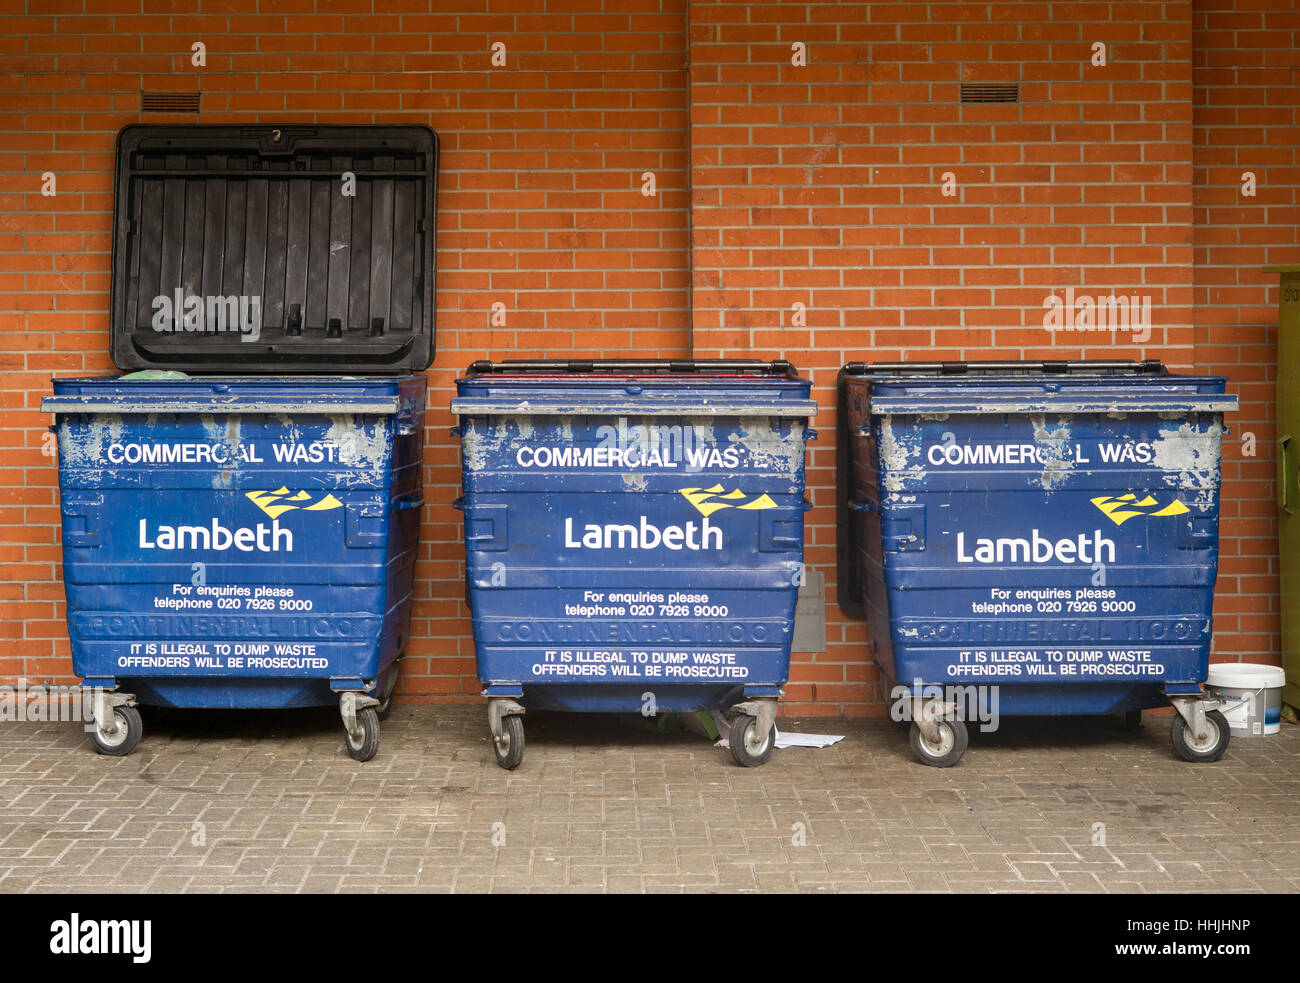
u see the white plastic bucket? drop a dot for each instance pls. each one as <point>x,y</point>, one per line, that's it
<point>1252,696</point>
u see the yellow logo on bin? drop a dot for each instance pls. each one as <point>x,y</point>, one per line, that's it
<point>1121,508</point>
<point>709,500</point>
<point>274,503</point>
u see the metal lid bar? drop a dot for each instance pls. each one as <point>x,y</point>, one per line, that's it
<point>1043,367</point>
<point>665,366</point>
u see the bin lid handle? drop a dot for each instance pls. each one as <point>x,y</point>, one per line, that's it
<point>1150,366</point>
<point>645,366</point>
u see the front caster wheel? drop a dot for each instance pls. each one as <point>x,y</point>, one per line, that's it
<point>1211,748</point>
<point>128,729</point>
<point>748,746</point>
<point>509,747</point>
<point>386,703</point>
<point>366,745</point>
<point>944,752</point>
<point>1132,720</point>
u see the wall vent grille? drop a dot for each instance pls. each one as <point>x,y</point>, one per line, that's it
<point>169,102</point>
<point>990,92</point>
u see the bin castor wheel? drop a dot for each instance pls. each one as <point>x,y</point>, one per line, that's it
<point>949,749</point>
<point>748,746</point>
<point>509,747</point>
<point>1132,720</point>
<point>1217,734</point>
<point>368,745</point>
<point>386,701</point>
<point>900,714</point>
<point>129,730</point>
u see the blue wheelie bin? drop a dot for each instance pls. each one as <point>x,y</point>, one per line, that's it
<point>246,537</point>
<point>633,538</point>
<point>1033,538</point>
<point>236,541</point>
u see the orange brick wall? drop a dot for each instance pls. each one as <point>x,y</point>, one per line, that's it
<point>821,184</point>
<point>776,184</point>
<point>1246,118</point>
<point>539,207</point>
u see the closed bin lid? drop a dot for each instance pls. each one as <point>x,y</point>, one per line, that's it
<point>217,395</point>
<point>274,248</point>
<point>1088,386</point>
<point>650,387</point>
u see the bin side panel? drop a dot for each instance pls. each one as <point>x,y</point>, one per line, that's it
<point>1069,559</point>
<point>208,554</point>
<point>609,557</point>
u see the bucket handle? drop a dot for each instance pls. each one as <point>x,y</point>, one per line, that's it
<point>1242,701</point>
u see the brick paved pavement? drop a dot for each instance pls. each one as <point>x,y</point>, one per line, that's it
<point>271,802</point>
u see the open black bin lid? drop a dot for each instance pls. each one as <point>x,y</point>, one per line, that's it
<point>261,223</point>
